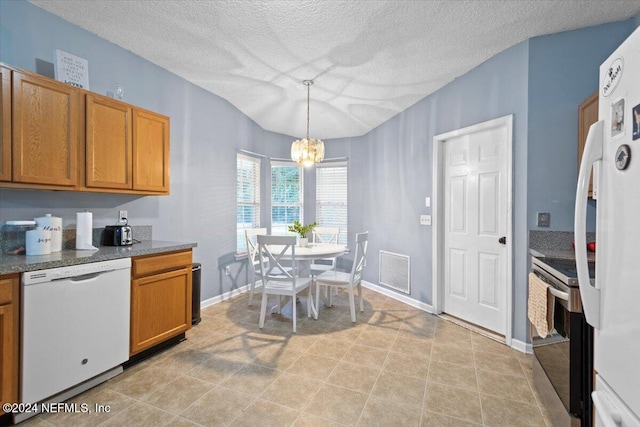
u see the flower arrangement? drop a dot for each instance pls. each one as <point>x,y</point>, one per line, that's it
<point>300,229</point>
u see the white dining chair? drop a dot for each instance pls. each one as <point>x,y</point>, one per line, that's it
<point>324,235</point>
<point>280,279</point>
<point>339,279</point>
<point>253,264</point>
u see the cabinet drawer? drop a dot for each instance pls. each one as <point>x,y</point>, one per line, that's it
<point>6,290</point>
<point>143,266</point>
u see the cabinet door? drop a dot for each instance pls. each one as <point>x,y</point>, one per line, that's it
<point>160,308</point>
<point>9,343</point>
<point>587,115</point>
<point>150,152</point>
<point>5,124</point>
<point>109,151</point>
<point>46,125</point>
<point>7,363</point>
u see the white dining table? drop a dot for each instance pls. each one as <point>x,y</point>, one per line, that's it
<point>305,254</point>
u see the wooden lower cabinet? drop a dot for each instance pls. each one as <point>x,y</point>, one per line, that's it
<point>587,115</point>
<point>160,298</point>
<point>9,338</point>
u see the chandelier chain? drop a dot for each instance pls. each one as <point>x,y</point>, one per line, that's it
<point>307,151</point>
<point>308,92</point>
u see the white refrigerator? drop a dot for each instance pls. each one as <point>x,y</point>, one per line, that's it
<point>612,304</point>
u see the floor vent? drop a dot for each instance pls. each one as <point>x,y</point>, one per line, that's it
<point>395,272</point>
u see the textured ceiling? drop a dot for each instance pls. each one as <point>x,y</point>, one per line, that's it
<point>369,59</point>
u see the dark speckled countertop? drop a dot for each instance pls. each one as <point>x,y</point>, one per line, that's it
<point>555,244</point>
<point>559,253</point>
<point>20,263</point>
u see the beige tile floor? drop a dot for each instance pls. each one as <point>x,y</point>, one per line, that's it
<point>397,366</point>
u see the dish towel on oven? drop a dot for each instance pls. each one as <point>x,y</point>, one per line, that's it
<point>540,306</point>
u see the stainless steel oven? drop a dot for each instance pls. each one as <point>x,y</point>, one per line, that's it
<point>563,362</point>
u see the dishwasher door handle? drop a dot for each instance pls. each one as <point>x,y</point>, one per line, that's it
<point>83,277</point>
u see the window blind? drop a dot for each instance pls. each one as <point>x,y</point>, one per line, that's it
<point>248,197</point>
<point>331,197</point>
<point>286,196</point>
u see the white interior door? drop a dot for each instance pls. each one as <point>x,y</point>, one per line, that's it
<point>476,208</point>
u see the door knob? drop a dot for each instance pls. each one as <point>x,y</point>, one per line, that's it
<point>502,240</point>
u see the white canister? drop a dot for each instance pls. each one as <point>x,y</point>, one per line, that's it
<point>53,224</point>
<point>38,242</point>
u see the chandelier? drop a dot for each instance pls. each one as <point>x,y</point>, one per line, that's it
<point>307,151</point>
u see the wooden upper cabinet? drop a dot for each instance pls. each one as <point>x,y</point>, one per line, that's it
<point>5,124</point>
<point>587,115</point>
<point>109,148</point>
<point>150,151</point>
<point>46,131</point>
<point>54,136</point>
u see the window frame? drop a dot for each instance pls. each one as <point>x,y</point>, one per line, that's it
<point>276,228</point>
<point>241,247</point>
<point>320,205</point>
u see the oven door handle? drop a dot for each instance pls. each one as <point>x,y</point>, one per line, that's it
<point>558,293</point>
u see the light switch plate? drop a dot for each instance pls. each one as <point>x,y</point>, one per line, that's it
<point>427,202</point>
<point>425,219</point>
<point>544,219</point>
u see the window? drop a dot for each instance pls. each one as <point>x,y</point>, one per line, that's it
<point>331,197</point>
<point>248,197</point>
<point>286,196</point>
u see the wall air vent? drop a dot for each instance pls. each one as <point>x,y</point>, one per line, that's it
<point>395,271</point>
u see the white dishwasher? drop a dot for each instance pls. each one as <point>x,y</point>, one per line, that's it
<point>75,327</point>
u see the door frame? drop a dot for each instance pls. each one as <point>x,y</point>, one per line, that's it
<point>437,258</point>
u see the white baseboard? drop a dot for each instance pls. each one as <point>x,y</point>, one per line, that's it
<point>521,346</point>
<point>402,298</point>
<point>228,295</point>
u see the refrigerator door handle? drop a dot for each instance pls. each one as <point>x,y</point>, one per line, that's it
<point>589,294</point>
<point>606,413</point>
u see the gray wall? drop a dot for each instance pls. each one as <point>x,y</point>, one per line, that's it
<point>563,72</point>
<point>390,168</point>
<point>541,81</point>
<point>206,132</point>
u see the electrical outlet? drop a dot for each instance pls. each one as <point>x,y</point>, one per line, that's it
<point>227,270</point>
<point>544,219</point>
<point>425,219</point>
<point>123,216</point>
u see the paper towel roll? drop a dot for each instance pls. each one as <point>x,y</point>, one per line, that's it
<point>84,231</point>
<point>38,242</point>
<point>53,224</point>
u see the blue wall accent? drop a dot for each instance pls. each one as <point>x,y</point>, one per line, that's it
<point>563,72</point>
<point>541,82</point>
